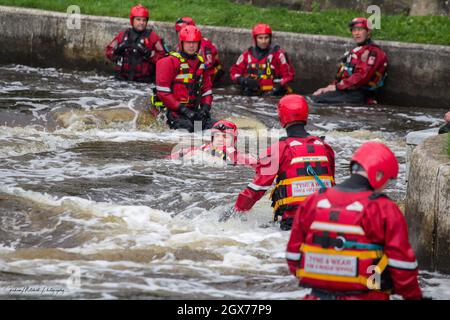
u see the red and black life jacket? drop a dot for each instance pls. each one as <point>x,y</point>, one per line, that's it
<point>262,69</point>
<point>351,58</point>
<point>190,77</point>
<point>336,254</point>
<point>132,64</point>
<point>296,181</point>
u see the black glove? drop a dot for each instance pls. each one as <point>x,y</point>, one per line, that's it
<point>278,90</point>
<point>144,51</point>
<point>248,83</point>
<point>204,111</point>
<point>286,224</point>
<point>185,111</point>
<point>119,49</point>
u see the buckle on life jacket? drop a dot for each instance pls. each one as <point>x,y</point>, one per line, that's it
<point>340,243</point>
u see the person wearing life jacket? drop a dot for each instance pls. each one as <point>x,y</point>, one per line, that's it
<point>361,73</point>
<point>300,163</point>
<point>135,51</point>
<point>445,128</point>
<point>351,241</point>
<point>224,135</point>
<point>263,68</point>
<point>207,50</point>
<point>183,84</point>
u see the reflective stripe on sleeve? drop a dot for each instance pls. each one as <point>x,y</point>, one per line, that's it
<point>258,188</point>
<point>207,93</point>
<point>163,89</point>
<point>293,256</point>
<point>402,264</point>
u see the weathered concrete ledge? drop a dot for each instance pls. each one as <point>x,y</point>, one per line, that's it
<point>427,204</point>
<point>418,74</point>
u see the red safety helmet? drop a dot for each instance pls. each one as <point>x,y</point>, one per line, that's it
<point>292,108</point>
<point>190,33</point>
<point>225,126</point>
<point>378,161</point>
<point>359,22</point>
<point>183,22</point>
<point>138,11</point>
<point>261,28</point>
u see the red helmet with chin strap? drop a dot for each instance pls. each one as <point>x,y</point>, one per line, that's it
<point>359,22</point>
<point>261,28</point>
<point>292,108</point>
<point>225,126</point>
<point>378,161</point>
<point>183,22</point>
<point>138,11</point>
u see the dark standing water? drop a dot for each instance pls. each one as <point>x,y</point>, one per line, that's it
<point>90,208</point>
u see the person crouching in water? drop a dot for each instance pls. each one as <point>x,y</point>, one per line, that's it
<point>263,68</point>
<point>136,50</point>
<point>223,145</point>
<point>183,84</point>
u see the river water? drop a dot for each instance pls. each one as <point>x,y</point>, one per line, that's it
<point>91,208</point>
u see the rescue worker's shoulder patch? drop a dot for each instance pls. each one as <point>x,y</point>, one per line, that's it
<point>377,195</point>
<point>365,56</point>
<point>372,58</point>
<point>283,59</point>
<point>240,59</point>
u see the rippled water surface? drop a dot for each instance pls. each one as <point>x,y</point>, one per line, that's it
<point>91,208</point>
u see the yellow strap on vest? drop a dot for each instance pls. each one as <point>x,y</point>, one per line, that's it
<point>359,279</point>
<point>286,201</point>
<point>178,56</point>
<point>363,280</point>
<point>268,69</point>
<point>367,254</point>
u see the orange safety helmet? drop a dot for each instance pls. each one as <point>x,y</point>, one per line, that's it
<point>139,11</point>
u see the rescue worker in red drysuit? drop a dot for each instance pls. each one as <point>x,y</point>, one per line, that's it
<point>300,162</point>
<point>183,84</point>
<point>223,145</point>
<point>207,50</point>
<point>263,68</point>
<point>361,73</point>
<point>135,51</point>
<point>340,234</point>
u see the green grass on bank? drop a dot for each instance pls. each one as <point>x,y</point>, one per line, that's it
<point>448,146</point>
<point>429,29</point>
